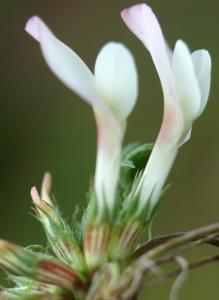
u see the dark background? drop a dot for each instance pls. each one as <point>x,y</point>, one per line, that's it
<point>46,127</point>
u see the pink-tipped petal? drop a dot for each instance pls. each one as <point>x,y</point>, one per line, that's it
<point>65,63</point>
<point>47,182</point>
<point>46,187</point>
<point>141,20</point>
<point>108,161</point>
<point>33,27</point>
<point>35,196</point>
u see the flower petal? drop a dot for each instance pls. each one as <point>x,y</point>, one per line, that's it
<point>186,137</point>
<point>116,81</point>
<point>116,78</point>
<point>110,136</point>
<point>141,20</point>
<point>186,84</point>
<point>46,188</point>
<point>155,174</point>
<point>64,62</point>
<point>202,65</point>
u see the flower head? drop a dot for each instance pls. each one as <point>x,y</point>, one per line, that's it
<point>185,80</point>
<point>59,234</point>
<point>101,256</point>
<point>111,91</point>
<point>38,267</point>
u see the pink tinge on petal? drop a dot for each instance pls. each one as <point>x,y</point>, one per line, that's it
<point>141,20</point>
<point>172,125</point>
<point>33,26</point>
<point>134,19</point>
<point>47,182</point>
<point>35,196</point>
<point>46,188</point>
<point>65,63</point>
<point>166,127</point>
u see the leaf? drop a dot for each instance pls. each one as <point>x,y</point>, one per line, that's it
<point>134,159</point>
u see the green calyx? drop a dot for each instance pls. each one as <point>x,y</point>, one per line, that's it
<point>78,252</point>
<point>61,237</point>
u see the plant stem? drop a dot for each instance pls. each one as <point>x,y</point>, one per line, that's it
<point>188,237</point>
<point>176,272</point>
<point>158,240</point>
<point>190,246</point>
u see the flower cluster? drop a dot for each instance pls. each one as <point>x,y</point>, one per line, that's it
<point>89,260</point>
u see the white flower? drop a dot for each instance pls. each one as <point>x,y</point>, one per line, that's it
<point>185,80</point>
<point>111,91</point>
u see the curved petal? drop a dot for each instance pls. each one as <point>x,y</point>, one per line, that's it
<point>107,161</point>
<point>155,174</point>
<point>202,65</point>
<point>64,62</point>
<point>116,78</point>
<point>116,81</point>
<point>162,157</point>
<point>46,188</point>
<point>186,84</point>
<point>141,20</point>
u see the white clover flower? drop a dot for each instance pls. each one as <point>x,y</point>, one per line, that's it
<point>105,256</point>
<point>185,80</point>
<point>111,91</point>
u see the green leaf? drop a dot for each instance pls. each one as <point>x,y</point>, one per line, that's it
<point>134,159</point>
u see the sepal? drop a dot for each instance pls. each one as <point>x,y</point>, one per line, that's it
<point>96,233</point>
<point>96,241</point>
<point>104,282</point>
<point>37,266</point>
<point>125,238</point>
<point>59,234</point>
<point>128,227</point>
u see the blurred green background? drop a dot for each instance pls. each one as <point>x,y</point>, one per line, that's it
<point>46,127</point>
